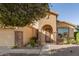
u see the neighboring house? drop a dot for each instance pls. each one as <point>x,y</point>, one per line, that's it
<point>46,30</point>
<point>65,30</point>
<point>77,28</point>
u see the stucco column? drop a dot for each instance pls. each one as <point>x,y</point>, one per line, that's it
<point>41,37</point>
<point>54,37</point>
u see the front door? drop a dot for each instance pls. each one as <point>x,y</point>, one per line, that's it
<point>47,37</point>
<point>19,38</point>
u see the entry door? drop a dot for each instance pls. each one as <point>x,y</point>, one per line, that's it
<point>48,37</point>
<point>19,38</point>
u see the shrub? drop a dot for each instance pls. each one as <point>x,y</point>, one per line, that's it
<point>32,41</point>
<point>72,41</point>
<point>77,38</point>
<point>69,41</point>
<point>15,46</point>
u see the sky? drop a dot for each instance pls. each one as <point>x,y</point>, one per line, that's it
<point>67,12</point>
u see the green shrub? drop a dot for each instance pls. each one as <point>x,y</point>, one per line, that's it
<point>77,37</point>
<point>33,41</point>
<point>69,41</point>
<point>15,46</point>
<point>72,41</point>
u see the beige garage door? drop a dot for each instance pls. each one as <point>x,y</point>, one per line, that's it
<point>6,37</point>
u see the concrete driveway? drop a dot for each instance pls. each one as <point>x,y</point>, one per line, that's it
<point>56,50</point>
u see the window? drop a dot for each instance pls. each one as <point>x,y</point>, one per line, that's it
<point>63,32</point>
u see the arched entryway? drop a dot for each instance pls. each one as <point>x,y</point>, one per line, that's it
<point>47,30</point>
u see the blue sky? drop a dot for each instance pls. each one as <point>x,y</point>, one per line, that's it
<point>67,12</point>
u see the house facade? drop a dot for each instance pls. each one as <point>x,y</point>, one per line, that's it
<point>65,30</point>
<point>46,30</point>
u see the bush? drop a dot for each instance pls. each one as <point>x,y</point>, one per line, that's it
<point>77,37</point>
<point>72,41</point>
<point>69,41</point>
<point>33,41</point>
<point>15,46</point>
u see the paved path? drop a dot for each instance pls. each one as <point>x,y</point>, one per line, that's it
<point>56,50</point>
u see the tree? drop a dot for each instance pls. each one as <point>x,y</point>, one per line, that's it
<point>21,14</point>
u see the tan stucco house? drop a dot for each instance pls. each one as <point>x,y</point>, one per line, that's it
<point>46,30</point>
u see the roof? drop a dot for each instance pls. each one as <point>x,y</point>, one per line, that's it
<point>67,23</point>
<point>53,12</point>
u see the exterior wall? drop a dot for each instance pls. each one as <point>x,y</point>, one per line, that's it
<point>27,33</point>
<point>7,37</point>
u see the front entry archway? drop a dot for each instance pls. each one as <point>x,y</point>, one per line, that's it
<point>47,29</point>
